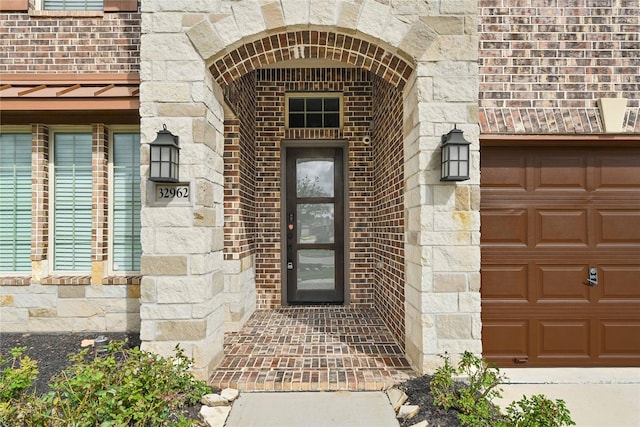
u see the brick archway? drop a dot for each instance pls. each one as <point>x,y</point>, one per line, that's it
<point>311,44</point>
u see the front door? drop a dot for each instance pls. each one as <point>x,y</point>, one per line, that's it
<point>314,225</point>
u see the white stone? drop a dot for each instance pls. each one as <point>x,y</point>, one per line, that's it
<point>293,13</point>
<point>408,411</point>
<point>214,399</point>
<point>373,18</point>
<point>215,416</point>
<point>323,12</point>
<point>248,16</point>
<point>230,394</point>
<point>397,397</point>
<point>423,423</point>
<point>458,258</point>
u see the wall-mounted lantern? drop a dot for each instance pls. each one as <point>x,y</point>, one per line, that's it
<point>165,157</point>
<point>455,156</point>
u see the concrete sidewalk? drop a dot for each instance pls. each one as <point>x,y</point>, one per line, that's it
<point>312,409</point>
<point>596,397</point>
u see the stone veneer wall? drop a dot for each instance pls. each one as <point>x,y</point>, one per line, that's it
<point>426,50</point>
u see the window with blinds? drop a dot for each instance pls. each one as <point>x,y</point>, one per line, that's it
<point>15,202</point>
<point>126,203</point>
<point>72,202</point>
<point>72,4</point>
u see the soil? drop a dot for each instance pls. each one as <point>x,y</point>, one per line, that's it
<point>51,351</point>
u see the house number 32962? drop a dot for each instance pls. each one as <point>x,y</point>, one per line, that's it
<point>173,192</point>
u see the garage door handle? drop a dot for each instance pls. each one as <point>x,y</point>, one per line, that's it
<point>593,277</point>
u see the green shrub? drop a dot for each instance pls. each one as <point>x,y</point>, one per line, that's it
<point>538,411</point>
<point>122,387</point>
<point>468,388</point>
<point>472,385</point>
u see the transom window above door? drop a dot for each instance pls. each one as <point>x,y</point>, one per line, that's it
<point>313,110</point>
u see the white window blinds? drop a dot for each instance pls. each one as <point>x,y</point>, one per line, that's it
<point>72,202</point>
<point>126,249</point>
<point>15,202</point>
<point>72,4</point>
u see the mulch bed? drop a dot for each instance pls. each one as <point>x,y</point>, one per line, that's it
<point>52,351</point>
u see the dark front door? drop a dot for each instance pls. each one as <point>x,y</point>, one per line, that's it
<point>314,251</point>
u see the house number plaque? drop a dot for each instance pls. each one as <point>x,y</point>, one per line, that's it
<point>169,194</point>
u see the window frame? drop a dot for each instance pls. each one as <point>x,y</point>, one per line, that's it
<point>314,95</point>
<point>113,130</point>
<point>22,130</point>
<point>51,197</point>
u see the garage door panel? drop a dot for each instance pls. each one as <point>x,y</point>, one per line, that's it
<point>505,282</point>
<point>618,169</point>
<point>620,282</point>
<point>506,338</point>
<point>505,170</point>
<point>619,337</point>
<point>564,337</point>
<point>579,210</point>
<point>504,227</point>
<point>561,227</point>
<point>562,282</point>
<point>560,170</point>
<point>618,227</point>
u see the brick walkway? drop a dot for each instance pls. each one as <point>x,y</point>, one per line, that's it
<point>312,348</point>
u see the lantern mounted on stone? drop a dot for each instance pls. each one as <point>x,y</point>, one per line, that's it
<point>165,157</point>
<point>455,156</point>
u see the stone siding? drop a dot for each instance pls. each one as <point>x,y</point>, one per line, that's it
<point>427,51</point>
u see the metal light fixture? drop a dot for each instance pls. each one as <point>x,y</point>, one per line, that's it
<point>455,156</point>
<point>165,157</point>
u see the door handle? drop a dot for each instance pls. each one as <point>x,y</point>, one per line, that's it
<point>592,280</point>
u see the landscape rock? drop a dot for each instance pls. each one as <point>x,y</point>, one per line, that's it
<point>214,416</point>
<point>397,397</point>
<point>213,399</point>
<point>407,411</point>
<point>423,423</point>
<point>230,394</point>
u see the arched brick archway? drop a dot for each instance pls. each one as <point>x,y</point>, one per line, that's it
<point>311,44</point>
<point>425,52</point>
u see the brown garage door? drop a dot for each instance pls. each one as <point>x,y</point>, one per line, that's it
<point>561,255</point>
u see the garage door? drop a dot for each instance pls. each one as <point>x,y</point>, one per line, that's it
<point>561,255</point>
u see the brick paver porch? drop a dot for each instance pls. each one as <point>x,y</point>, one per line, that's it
<point>312,348</point>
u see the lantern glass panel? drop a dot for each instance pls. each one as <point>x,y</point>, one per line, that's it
<point>155,153</point>
<point>166,154</point>
<point>155,170</point>
<point>164,170</point>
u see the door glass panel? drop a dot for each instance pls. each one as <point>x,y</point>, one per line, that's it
<point>314,177</point>
<point>316,269</point>
<point>315,223</point>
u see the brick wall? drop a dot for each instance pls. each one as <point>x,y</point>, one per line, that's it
<point>239,170</point>
<point>388,208</point>
<point>68,42</point>
<point>545,63</point>
<point>376,180</point>
<point>541,53</point>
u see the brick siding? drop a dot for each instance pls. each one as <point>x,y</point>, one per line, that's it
<point>544,63</point>
<point>68,42</point>
<point>262,192</point>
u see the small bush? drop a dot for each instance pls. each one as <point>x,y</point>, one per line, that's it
<point>122,387</point>
<point>538,411</point>
<point>472,385</point>
<point>473,393</point>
